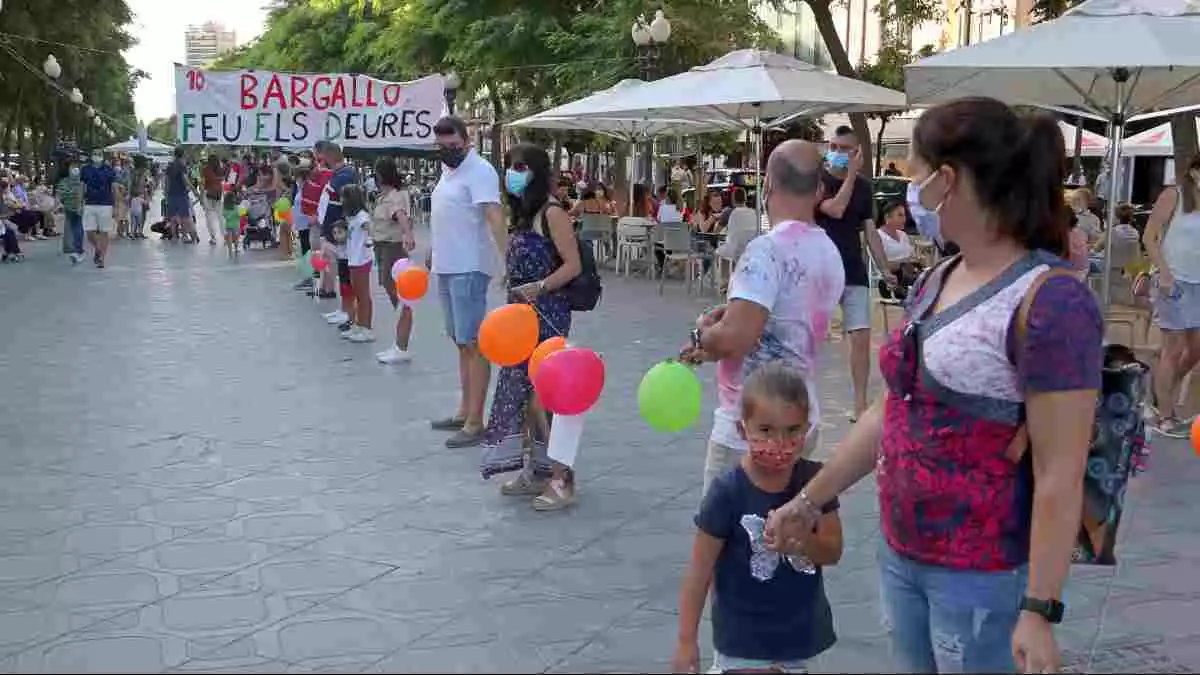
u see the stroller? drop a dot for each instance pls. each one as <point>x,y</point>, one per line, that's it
<point>260,223</point>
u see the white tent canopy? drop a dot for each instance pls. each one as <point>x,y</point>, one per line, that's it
<point>130,147</point>
<point>565,118</point>
<point>899,130</point>
<point>742,88</point>
<point>1115,60</point>
<point>1103,57</point>
<point>1155,142</point>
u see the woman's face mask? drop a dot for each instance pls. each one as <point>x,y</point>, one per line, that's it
<point>97,159</point>
<point>515,181</point>
<point>928,221</point>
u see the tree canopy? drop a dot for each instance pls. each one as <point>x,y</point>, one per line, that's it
<point>87,38</point>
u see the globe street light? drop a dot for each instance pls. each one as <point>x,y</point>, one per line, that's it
<point>51,67</point>
<point>648,39</point>
<point>52,70</point>
<point>451,84</point>
<point>90,112</point>
<point>76,96</point>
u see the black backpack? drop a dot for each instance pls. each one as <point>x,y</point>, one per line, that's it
<point>584,291</point>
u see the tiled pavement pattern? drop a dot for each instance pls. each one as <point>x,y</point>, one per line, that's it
<point>198,475</point>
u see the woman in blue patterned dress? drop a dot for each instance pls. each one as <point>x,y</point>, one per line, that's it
<point>542,258</point>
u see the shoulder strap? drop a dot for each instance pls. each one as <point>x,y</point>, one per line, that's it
<point>1020,442</point>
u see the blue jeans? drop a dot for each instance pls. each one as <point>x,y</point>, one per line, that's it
<point>945,620</point>
<point>464,304</point>
<point>75,227</point>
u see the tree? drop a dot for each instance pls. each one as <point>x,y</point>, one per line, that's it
<point>898,19</point>
<point>87,38</point>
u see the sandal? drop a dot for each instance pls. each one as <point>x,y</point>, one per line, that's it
<point>558,495</point>
<point>523,485</point>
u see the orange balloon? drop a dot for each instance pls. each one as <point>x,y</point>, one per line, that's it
<point>412,283</point>
<point>548,347</point>
<point>509,334</point>
<point>1196,435</point>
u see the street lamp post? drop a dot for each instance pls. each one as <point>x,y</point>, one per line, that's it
<point>90,112</point>
<point>648,40</point>
<point>52,71</point>
<point>451,83</point>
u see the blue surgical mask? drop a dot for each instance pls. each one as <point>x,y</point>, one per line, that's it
<point>515,181</point>
<point>837,160</point>
<point>74,172</point>
<point>928,221</point>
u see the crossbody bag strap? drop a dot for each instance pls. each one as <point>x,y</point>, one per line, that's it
<point>1020,442</point>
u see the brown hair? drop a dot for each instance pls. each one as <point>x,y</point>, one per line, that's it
<point>1016,162</point>
<point>776,381</point>
<point>1189,196</point>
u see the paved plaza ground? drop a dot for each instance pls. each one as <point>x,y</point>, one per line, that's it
<point>198,475</point>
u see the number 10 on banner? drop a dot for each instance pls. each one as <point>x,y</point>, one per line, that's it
<point>195,80</point>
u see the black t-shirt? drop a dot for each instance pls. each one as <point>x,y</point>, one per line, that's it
<point>765,606</point>
<point>845,231</point>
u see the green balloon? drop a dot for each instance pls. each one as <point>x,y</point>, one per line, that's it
<point>669,397</point>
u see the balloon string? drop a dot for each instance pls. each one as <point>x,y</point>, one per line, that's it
<point>543,317</point>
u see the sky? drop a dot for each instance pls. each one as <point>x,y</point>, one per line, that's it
<point>159,26</point>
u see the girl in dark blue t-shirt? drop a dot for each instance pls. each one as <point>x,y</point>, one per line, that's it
<point>769,608</point>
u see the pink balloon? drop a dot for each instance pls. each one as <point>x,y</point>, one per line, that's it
<point>569,381</point>
<point>399,266</point>
<point>319,263</point>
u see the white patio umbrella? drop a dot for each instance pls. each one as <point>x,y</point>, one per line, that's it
<point>1114,60</point>
<point>1155,142</point>
<point>749,89</point>
<point>627,128</point>
<point>132,147</point>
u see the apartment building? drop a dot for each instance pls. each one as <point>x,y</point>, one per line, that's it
<point>206,42</point>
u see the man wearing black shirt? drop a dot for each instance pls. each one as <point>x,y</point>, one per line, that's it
<point>847,215</point>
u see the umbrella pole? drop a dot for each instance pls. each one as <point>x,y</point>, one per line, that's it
<point>1116,134</point>
<point>758,173</point>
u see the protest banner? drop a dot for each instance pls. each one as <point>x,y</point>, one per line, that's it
<point>257,107</point>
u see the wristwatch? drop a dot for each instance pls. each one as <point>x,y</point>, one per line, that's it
<point>1050,610</point>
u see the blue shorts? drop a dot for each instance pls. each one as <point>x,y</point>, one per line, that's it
<point>464,304</point>
<point>179,206</point>
<point>856,308</point>
<point>1177,308</point>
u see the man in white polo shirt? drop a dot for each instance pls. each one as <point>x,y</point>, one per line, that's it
<point>466,222</point>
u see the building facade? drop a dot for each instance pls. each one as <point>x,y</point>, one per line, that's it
<point>860,25</point>
<point>205,43</point>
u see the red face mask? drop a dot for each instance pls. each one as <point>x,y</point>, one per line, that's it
<point>772,454</point>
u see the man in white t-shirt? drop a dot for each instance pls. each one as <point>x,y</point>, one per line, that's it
<point>786,288</point>
<point>466,223</point>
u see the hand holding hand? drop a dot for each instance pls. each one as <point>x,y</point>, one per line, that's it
<point>788,527</point>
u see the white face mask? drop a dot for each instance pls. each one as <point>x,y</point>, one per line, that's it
<point>928,221</point>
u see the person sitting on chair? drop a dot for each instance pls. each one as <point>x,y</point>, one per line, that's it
<point>898,248</point>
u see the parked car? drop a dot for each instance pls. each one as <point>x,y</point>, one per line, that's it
<point>725,180</point>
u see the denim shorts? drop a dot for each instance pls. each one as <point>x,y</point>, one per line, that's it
<point>856,308</point>
<point>464,304</point>
<point>944,620</point>
<point>1178,308</point>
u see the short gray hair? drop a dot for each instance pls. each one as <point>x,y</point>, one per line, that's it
<point>788,178</point>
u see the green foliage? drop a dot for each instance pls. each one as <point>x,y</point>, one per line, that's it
<point>91,35</point>
<point>520,56</point>
<point>1047,10</point>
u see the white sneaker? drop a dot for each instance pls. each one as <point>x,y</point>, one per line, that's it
<point>335,317</point>
<point>346,334</point>
<point>393,355</point>
<point>360,334</point>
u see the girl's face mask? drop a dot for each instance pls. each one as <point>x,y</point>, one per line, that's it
<point>773,454</point>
